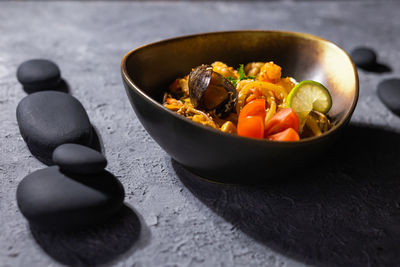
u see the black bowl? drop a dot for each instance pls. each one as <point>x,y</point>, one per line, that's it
<point>148,70</point>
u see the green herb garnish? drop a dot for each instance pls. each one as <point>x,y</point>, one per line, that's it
<point>242,76</point>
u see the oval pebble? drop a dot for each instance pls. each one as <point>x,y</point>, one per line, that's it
<point>48,119</point>
<point>50,199</point>
<point>364,57</point>
<point>78,159</point>
<point>38,75</point>
<point>389,94</point>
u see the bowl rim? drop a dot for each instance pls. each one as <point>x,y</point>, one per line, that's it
<point>258,141</point>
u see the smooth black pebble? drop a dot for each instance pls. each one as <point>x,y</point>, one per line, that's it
<point>51,200</point>
<point>389,94</point>
<point>38,75</point>
<point>48,119</point>
<point>78,159</point>
<point>364,57</point>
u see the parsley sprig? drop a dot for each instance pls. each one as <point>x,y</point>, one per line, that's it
<point>242,76</point>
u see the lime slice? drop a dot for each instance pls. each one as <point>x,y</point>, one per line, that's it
<point>307,96</point>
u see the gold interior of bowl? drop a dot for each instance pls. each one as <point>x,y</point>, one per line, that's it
<point>151,68</point>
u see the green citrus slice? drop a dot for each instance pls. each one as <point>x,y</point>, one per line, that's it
<point>307,96</point>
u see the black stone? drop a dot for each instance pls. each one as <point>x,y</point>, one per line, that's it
<point>389,94</point>
<point>38,75</point>
<point>48,119</point>
<point>78,159</point>
<point>52,200</point>
<point>364,57</point>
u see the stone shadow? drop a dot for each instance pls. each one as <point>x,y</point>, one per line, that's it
<point>342,211</point>
<point>378,68</point>
<point>92,245</point>
<point>62,86</point>
<point>97,142</point>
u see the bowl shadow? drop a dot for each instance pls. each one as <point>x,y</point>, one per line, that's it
<point>344,211</point>
<point>94,245</point>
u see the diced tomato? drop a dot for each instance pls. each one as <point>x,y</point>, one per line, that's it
<point>254,108</point>
<point>287,135</point>
<point>282,120</point>
<point>251,126</point>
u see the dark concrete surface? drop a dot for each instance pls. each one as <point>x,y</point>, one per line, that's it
<point>345,213</point>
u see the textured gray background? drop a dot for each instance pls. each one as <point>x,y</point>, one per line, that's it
<point>350,218</point>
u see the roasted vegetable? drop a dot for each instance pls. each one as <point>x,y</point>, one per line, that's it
<point>209,90</point>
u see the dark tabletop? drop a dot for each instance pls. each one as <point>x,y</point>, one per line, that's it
<point>346,213</point>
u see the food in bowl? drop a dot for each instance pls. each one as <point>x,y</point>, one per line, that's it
<point>251,101</point>
<point>209,153</point>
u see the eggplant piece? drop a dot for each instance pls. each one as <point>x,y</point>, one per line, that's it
<point>322,121</point>
<point>211,91</point>
<point>316,124</point>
